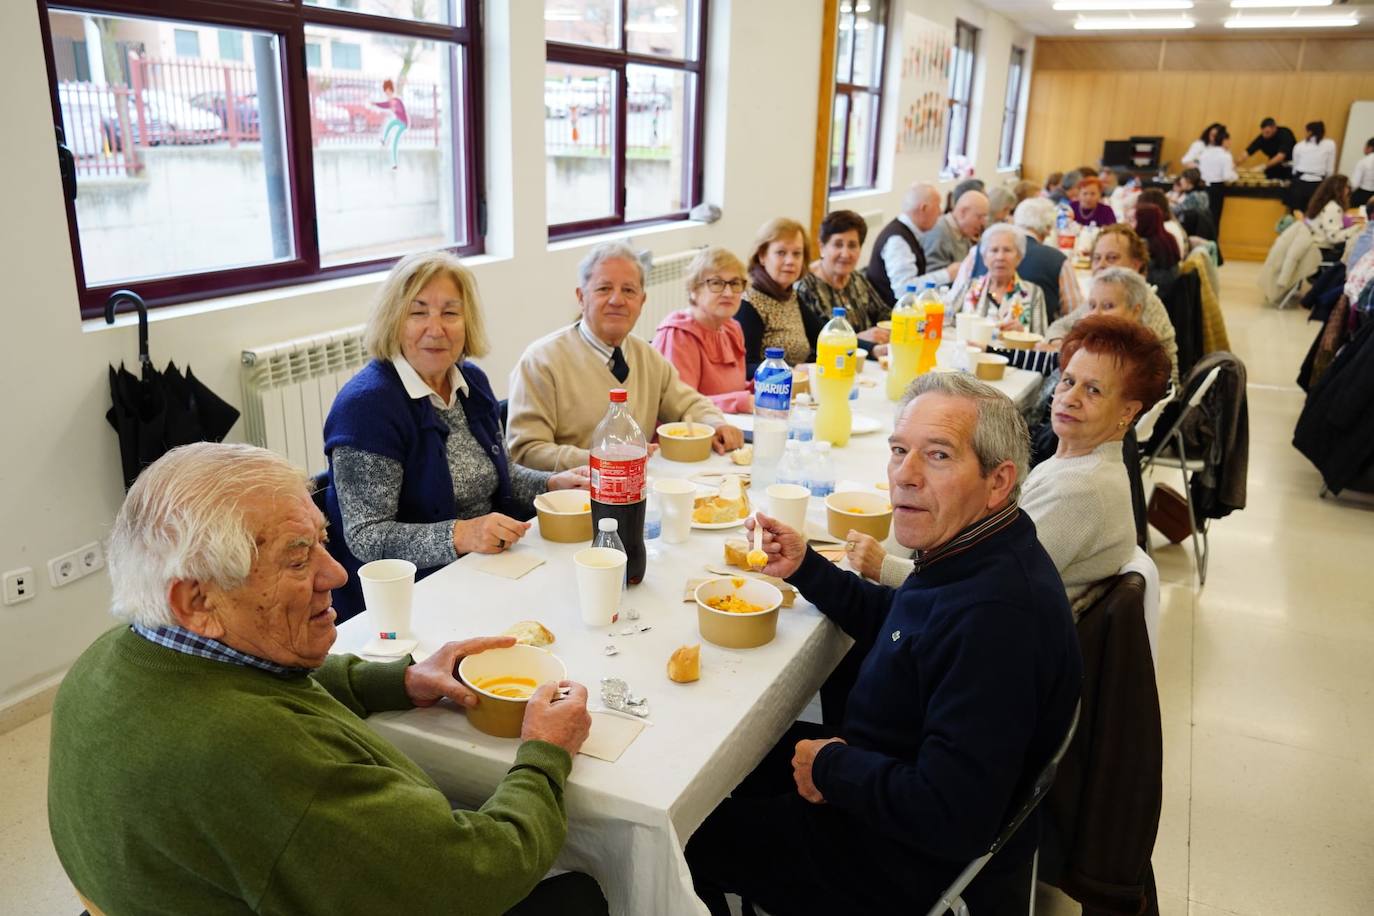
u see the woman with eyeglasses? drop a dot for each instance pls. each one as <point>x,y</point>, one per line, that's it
<point>835,281</point>
<point>704,341</point>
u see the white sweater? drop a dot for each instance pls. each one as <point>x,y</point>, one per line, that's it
<point>1083,517</point>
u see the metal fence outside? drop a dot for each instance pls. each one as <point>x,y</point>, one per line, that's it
<point>182,102</point>
<point>578,121</point>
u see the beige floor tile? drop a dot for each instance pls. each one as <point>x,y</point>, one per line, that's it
<point>33,880</point>
<point>1202,909</point>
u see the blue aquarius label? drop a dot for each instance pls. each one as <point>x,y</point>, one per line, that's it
<point>773,389</point>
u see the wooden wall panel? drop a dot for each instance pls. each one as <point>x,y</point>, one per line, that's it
<point>1262,55</point>
<point>1060,54</point>
<point>1324,54</point>
<point>1071,111</point>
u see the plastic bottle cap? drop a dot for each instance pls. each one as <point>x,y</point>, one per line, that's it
<point>607,524</point>
<point>837,312</point>
<point>773,352</point>
<point>911,287</point>
<point>619,395</point>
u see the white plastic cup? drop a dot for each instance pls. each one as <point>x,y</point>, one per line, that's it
<point>600,579</point>
<point>676,497</point>
<point>388,586</point>
<point>787,503</point>
<point>982,331</point>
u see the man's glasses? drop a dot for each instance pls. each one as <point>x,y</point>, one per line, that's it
<point>717,285</point>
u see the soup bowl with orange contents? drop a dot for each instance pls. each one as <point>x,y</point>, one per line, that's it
<point>565,516</point>
<point>865,512</point>
<point>738,612</point>
<point>503,680</point>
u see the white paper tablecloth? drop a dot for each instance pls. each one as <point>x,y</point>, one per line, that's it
<point>629,820</point>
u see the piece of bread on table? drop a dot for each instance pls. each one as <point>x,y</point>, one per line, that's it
<point>737,553</point>
<point>743,455</point>
<point>530,633</point>
<point>684,666</point>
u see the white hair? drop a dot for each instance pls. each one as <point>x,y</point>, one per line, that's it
<point>184,518</point>
<point>914,194</point>
<point>607,251</point>
<point>1002,229</point>
<point>1038,214</point>
<point>999,432</point>
<point>999,199</point>
<point>1137,290</point>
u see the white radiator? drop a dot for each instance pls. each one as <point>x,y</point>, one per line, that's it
<point>666,289</point>
<point>289,387</point>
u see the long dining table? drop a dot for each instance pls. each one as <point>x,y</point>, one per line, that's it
<point>628,821</point>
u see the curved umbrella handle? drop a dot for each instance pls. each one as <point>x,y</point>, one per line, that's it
<point>113,302</point>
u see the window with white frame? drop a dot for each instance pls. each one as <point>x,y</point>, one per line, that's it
<point>860,50</point>
<point>1011,110</point>
<point>965,55</point>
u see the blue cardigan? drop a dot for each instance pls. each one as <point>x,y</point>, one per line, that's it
<point>967,687</point>
<point>373,413</point>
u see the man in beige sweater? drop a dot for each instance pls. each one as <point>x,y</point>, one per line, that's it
<point>558,391</point>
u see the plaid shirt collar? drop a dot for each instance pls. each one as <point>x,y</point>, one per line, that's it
<point>184,641</point>
<point>965,540</point>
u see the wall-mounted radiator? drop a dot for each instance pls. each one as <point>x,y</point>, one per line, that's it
<point>289,387</point>
<point>666,290</point>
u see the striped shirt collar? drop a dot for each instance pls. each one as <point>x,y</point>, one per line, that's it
<point>965,540</point>
<point>189,643</point>
<point>596,343</point>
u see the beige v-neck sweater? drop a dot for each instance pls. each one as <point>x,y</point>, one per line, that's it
<point>558,393</point>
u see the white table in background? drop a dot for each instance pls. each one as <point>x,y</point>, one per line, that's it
<point>629,820</point>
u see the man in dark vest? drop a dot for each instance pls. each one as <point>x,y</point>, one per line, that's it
<point>1043,265</point>
<point>897,257</point>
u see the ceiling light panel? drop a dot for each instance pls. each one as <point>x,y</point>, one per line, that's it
<point>1120,6</point>
<point>1131,24</point>
<point>1270,4</point>
<point>1335,21</point>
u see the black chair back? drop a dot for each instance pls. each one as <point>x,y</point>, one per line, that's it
<point>318,484</point>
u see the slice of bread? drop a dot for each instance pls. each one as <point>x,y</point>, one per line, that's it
<point>530,633</point>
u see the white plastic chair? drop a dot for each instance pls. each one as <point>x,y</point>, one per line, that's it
<point>1187,467</point>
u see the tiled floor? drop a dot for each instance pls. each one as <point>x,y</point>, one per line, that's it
<point>1266,682</point>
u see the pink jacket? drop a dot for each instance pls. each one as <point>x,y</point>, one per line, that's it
<point>712,362</point>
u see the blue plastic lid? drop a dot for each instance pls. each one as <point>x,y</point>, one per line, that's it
<point>911,287</point>
<point>773,352</point>
<point>837,312</point>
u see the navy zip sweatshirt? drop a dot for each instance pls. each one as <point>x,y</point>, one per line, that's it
<point>968,686</point>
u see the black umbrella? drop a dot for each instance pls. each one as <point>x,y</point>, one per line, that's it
<point>157,411</point>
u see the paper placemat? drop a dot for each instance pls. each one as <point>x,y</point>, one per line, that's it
<point>512,564</point>
<point>388,648</point>
<point>610,735</point>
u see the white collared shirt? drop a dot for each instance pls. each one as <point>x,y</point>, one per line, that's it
<point>597,344</point>
<point>1314,161</point>
<point>416,387</point>
<point>898,259</point>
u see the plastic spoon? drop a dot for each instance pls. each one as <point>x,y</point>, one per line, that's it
<point>756,558</point>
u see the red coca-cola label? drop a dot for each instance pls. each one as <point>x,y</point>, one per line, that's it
<point>617,482</point>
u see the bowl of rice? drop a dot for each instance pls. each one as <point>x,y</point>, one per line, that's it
<point>738,612</point>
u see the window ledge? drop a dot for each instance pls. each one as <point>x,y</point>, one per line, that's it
<point>261,297</point>
<point>857,193</point>
<point>625,234</point>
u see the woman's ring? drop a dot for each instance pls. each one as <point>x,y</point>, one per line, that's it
<point>500,543</point>
<point>849,546</point>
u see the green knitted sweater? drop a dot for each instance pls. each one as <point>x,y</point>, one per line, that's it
<point>183,785</point>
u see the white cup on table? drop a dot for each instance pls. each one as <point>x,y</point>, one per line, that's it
<point>787,503</point>
<point>388,586</point>
<point>600,580</point>
<point>676,498</point>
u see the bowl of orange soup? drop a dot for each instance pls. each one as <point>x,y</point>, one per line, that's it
<point>865,512</point>
<point>503,680</point>
<point>565,516</point>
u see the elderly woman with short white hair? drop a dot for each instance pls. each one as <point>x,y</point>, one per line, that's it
<point>1016,304</point>
<point>418,468</point>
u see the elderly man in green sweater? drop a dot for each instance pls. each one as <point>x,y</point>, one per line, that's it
<point>209,755</point>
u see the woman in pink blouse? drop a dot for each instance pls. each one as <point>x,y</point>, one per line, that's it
<point>704,341</point>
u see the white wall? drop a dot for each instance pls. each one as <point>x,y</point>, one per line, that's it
<point>59,477</point>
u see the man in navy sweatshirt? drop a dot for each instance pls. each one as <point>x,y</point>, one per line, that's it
<point>968,683</point>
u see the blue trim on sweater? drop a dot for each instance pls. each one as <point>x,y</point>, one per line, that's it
<point>373,413</point>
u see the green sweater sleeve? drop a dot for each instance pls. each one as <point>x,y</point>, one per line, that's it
<point>365,687</point>
<point>373,841</point>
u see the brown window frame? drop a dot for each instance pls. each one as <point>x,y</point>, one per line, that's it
<point>616,60</point>
<point>287,19</point>
<point>848,88</point>
<point>961,90</point>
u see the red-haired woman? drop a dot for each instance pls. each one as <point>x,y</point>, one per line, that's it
<point>1163,247</point>
<point>1089,209</point>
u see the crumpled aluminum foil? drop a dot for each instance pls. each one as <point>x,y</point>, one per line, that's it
<point>616,694</point>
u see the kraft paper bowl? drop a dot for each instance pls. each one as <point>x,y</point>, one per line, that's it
<point>989,366</point>
<point>738,631</point>
<point>1020,340</point>
<point>565,516</point>
<point>503,716</point>
<point>868,513</point>
<point>685,442</point>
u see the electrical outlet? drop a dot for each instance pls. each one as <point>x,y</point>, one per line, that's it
<point>77,564</point>
<point>19,585</point>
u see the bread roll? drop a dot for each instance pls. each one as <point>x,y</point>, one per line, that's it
<point>737,553</point>
<point>530,633</point>
<point>684,665</point>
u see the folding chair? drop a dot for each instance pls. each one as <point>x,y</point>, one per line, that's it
<point>952,901</point>
<point>1187,467</point>
<point>1145,425</point>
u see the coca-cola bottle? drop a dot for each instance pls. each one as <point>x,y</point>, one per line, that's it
<point>619,453</point>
